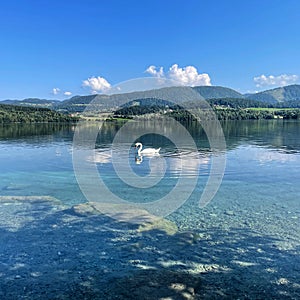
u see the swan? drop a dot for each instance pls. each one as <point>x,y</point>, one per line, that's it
<point>148,151</point>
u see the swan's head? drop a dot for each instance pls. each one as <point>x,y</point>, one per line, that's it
<point>137,145</point>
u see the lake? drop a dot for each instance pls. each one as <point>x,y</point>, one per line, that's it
<point>261,179</point>
<point>259,191</point>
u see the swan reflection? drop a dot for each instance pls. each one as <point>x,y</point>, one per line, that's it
<point>138,159</point>
<point>177,164</point>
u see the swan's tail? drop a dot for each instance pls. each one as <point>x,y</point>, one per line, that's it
<point>157,150</point>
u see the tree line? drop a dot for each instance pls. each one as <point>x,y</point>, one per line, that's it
<point>24,114</point>
<point>223,111</point>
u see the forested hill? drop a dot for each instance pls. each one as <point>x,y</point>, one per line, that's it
<point>23,114</point>
<point>288,96</point>
<point>282,95</point>
<point>210,92</point>
<point>33,102</point>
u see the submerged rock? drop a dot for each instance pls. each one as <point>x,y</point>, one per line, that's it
<point>129,214</point>
<point>159,224</point>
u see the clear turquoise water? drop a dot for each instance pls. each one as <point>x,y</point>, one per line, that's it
<point>260,187</point>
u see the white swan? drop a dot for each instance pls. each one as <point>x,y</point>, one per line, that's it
<point>148,151</point>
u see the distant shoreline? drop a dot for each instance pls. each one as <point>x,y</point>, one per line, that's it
<point>24,114</point>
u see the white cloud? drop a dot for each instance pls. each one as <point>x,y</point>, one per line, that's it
<point>188,75</point>
<point>271,80</point>
<point>55,91</point>
<point>97,84</point>
<point>152,70</point>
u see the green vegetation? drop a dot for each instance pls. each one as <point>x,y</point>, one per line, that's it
<point>288,96</point>
<point>33,102</point>
<point>209,92</point>
<point>23,114</point>
<point>257,114</point>
<point>225,109</point>
<point>127,112</point>
<point>249,103</point>
<point>284,94</point>
<point>235,103</point>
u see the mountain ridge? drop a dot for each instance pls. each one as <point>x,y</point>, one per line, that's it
<point>280,95</point>
<point>36,102</point>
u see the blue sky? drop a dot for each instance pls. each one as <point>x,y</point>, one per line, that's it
<point>80,47</point>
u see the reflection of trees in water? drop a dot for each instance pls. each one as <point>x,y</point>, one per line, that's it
<point>109,130</point>
<point>19,131</point>
<point>279,134</point>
